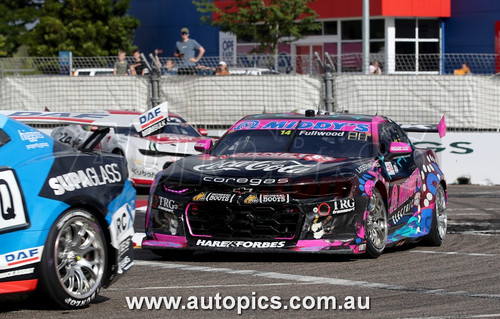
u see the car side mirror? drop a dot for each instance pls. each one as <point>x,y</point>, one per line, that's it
<point>202,131</point>
<point>399,148</point>
<point>203,146</point>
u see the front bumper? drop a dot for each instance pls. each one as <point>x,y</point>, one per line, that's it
<point>301,246</point>
<point>229,222</point>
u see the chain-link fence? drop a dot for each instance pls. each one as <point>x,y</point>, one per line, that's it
<point>257,64</point>
<point>74,94</point>
<point>246,64</point>
<point>468,102</point>
<point>219,101</point>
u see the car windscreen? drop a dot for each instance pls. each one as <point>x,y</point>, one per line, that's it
<point>174,126</point>
<point>326,143</point>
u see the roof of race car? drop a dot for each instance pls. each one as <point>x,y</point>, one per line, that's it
<point>300,116</point>
<point>114,118</point>
<point>310,121</point>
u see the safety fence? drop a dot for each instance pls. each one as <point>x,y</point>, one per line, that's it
<point>468,102</point>
<point>74,94</point>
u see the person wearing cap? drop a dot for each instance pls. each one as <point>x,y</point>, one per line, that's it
<point>186,48</point>
<point>222,69</point>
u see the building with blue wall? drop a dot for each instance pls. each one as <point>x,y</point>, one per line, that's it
<point>463,26</point>
<point>161,22</point>
<point>471,26</point>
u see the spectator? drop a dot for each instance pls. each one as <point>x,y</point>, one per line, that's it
<point>204,70</point>
<point>121,66</point>
<point>185,49</point>
<point>463,71</point>
<point>375,68</point>
<point>221,69</point>
<point>169,68</point>
<point>139,66</point>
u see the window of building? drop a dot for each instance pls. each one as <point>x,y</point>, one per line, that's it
<point>428,29</point>
<point>377,29</point>
<point>314,32</point>
<point>352,59</point>
<point>330,28</point>
<point>377,47</point>
<point>405,28</point>
<point>351,30</point>
<point>417,45</point>
<point>427,57</point>
<point>405,56</point>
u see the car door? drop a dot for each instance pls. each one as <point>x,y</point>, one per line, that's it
<point>402,174</point>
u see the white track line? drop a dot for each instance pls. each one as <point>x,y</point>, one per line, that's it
<point>219,286</point>
<point>486,233</point>
<point>474,209</point>
<point>474,193</point>
<point>315,279</point>
<point>452,253</point>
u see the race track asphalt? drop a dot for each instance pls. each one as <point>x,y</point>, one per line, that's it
<point>460,279</point>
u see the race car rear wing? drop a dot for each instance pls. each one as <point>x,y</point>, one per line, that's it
<point>429,128</point>
<point>93,140</point>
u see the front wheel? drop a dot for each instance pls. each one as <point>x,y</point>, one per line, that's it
<point>439,219</point>
<point>74,261</point>
<point>376,225</point>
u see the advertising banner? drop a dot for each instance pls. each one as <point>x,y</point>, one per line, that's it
<point>464,156</point>
<point>227,47</point>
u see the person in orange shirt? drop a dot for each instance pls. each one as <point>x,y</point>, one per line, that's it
<point>465,70</point>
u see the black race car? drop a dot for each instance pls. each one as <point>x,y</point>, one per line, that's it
<point>300,182</point>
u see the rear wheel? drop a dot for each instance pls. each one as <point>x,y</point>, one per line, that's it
<point>74,260</point>
<point>376,225</point>
<point>439,219</point>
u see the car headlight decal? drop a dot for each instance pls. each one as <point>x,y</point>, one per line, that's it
<point>175,189</point>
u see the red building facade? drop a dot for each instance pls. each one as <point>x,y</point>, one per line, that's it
<point>405,35</point>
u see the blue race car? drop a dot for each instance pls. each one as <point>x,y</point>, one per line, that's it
<point>66,217</point>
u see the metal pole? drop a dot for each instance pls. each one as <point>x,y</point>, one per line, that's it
<point>366,36</point>
<point>155,77</point>
<point>328,78</point>
<point>329,90</point>
<point>155,90</point>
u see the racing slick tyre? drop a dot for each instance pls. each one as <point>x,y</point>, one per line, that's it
<point>376,225</point>
<point>74,260</point>
<point>439,219</point>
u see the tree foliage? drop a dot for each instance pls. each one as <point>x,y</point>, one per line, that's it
<point>15,18</point>
<point>87,28</point>
<point>2,46</point>
<point>267,22</point>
